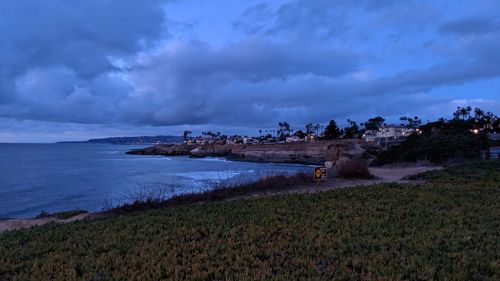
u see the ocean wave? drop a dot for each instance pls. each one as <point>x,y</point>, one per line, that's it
<point>139,158</point>
<point>212,159</point>
<point>210,175</point>
<point>109,152</point>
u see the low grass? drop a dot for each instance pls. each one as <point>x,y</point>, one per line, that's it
<point>444,229</point>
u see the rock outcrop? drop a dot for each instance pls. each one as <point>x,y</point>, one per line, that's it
<point>164,149</point>
<point>314,153</point>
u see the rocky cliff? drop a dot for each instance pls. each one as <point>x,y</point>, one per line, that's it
<point>164,149</point>
<point>314,153</point>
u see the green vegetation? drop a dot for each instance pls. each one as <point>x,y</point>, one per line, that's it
<point>354,169</point>
<point>444,229</point>
<point>373,123</point>
<point>437,142</point>
<point>332,131</point>
<point>218,192</point>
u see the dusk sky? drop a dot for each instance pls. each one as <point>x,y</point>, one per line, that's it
<point>74,70</point>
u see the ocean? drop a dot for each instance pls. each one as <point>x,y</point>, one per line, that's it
<point>61,177</point>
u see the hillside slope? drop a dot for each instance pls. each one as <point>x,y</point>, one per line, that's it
<point>446,228</point>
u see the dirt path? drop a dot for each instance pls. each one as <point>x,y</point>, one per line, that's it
<point>386,174</point>
<point>382,175</point>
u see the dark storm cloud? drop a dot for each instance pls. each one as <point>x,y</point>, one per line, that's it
<point>320,19</point>
<point>195,78</point>
<point>472,25</point>
<point>313,18</point>
<point>252,83</point>
<point>79,35</point>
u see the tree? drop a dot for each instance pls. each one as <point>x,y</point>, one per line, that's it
<point>300,134</point>
<point>373,123</point>
<point>478,113</point>
<point>332,131</point>
<point>317,127</point>
<point>260,134</point>
<point>284,130</point>
<point>185,135</point>
<point>465,112</point>
<point>462,112</point>
<point>352,131</point>
<point>411,123</point>
<point>309,129</point>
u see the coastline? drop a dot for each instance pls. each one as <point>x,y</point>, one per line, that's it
<point>274,186</point>
<point>305,153</point>
<point>380,227</point>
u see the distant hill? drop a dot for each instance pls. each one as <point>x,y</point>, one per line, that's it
<point>133,140</point>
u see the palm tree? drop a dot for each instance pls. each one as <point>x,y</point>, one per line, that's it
<point>478,113</point>
<point>465,112</point>
<point>186,135</point>
<point>462,112</point>
<point>309,128</point>
<point>316,128</point>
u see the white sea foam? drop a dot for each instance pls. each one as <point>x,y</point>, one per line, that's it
<point>109,152</point>
<point>212,159</point>
<point>210,175</point>
<point>140,158</point>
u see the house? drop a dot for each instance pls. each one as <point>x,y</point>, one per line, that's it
<point>293,139</point>
<point>310,137</point>
<point>250,140</point>
<point>370,135</point>
<point>388,134</point>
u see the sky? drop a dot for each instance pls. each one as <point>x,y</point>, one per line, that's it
<point>80,69</point>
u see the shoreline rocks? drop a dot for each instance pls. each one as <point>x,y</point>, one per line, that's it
<point>164,149</point>
<point>309,153</point>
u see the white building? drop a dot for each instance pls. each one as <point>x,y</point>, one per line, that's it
<point>370,135</point>
<point>388,133</point>
<point>293,139</point>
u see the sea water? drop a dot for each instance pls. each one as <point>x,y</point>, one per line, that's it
<point>61,177</point>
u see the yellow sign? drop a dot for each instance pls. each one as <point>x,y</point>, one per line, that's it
<point>320,173</point>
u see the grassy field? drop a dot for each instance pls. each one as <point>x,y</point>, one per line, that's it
<point>445,229</point>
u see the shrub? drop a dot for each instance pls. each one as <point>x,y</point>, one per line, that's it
<point>354,168</point>
<point>437,143</point>
<point>216,191</point>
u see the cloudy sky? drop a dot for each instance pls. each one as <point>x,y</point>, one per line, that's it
<point>73,70</point>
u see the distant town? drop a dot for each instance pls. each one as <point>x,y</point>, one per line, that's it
<point>469,134</point>
<point>373,130</point>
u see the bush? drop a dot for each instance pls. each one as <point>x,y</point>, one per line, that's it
<point>354,168</point>
<point>216,191</point>
<point>438,143</point>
